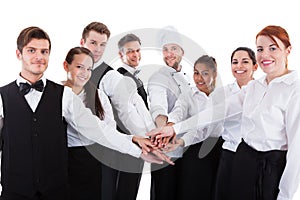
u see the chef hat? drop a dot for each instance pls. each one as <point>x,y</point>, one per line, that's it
<point>169,35</point>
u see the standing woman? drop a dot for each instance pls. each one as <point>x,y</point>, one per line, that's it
<point>196,176</point>
<point>84,171</point>
<point>243,66</point>
<point>266,164</point>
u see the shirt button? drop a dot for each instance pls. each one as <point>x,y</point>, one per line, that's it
<point>34,119</point>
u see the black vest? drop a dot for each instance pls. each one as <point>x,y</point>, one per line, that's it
<point>99,72</point>
<point>96,77</point>
<point>34,156</point>
<point>140,87</point>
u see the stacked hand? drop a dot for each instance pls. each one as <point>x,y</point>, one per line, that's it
<point>162,136</point>
<point>150,152</point>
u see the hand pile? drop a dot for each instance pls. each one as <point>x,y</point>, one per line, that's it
<point>160,141</point>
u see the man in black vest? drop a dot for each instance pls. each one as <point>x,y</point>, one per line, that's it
<point>130,55</point>
<point>94,37</point>
<point>131,114</point>
<point>34,152</point>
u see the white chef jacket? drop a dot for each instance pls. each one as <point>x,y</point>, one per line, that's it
<point>164,88</point>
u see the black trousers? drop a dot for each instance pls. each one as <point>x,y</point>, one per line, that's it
<point>129,177</point>
<point>121,174</point>
<point>196,176</point>
<point>84,174</point>
<point>109,183</point>
<point>255,174</point>
<point>223,177</point>
<point>59,193</point>
<point>163,181</point>
<point>128,185</point>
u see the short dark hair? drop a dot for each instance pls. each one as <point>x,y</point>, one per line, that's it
<point>95,26</point>
<point>128,38</point>
<point>30,33</point>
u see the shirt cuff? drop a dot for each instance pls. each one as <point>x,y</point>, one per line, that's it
<point>281,197</point>
<point>156,113</point>
<point>134,150</point>
<point>176,128</point>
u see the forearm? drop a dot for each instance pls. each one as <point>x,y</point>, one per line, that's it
<point>161,120</point>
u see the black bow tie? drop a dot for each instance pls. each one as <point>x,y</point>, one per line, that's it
<point>25,87</point>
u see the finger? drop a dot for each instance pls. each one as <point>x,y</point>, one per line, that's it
<point>168,160</point>
<point>145,152</point>
<point>145,148</point>
<point>158,154</point>
<point>157,161</point>
<point>165,158</point>
<point>148,143</point>
<point>153,132</point>
<point>166,140</point>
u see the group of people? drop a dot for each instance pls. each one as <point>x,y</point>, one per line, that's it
<point>88,136</point>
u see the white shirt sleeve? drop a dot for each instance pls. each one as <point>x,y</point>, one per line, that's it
<point>230,108</point>
<point>193,137</point>
<point>90,126</point>
<point>158,96</point>
<point>180,110</point>
<point>128,104</point>
<point>290,178</point>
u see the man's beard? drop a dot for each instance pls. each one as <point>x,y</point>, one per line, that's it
<point>174,66</point>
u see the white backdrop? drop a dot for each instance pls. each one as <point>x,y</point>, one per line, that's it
<point>217,26</point>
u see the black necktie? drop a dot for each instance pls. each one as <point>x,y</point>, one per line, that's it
<point>25,87</point>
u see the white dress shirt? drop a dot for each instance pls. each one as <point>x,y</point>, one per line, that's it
<point>131,70</point>
<point>188,104</point>
<point>81,119</point>
<point>270,121</point>
<point>164,88</point>
<point>232,128</point>
<point>128,104</point>
<point>113,139</point>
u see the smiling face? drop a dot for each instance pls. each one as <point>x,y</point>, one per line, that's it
<point>242,67</point>
<point>96,43</point>
<point>172,55</point>
<point>204,78</point>
<point>78,71</point>
<point>272,57</point>
<point>35,58</point>
<point>131,53</point>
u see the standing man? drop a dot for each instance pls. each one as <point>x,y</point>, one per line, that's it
<point>130,55</point>
<point>164,88</point>
<point>94,37</point>
<point>131,113</point>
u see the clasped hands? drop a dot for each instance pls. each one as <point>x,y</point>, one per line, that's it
<point>160,141</point>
